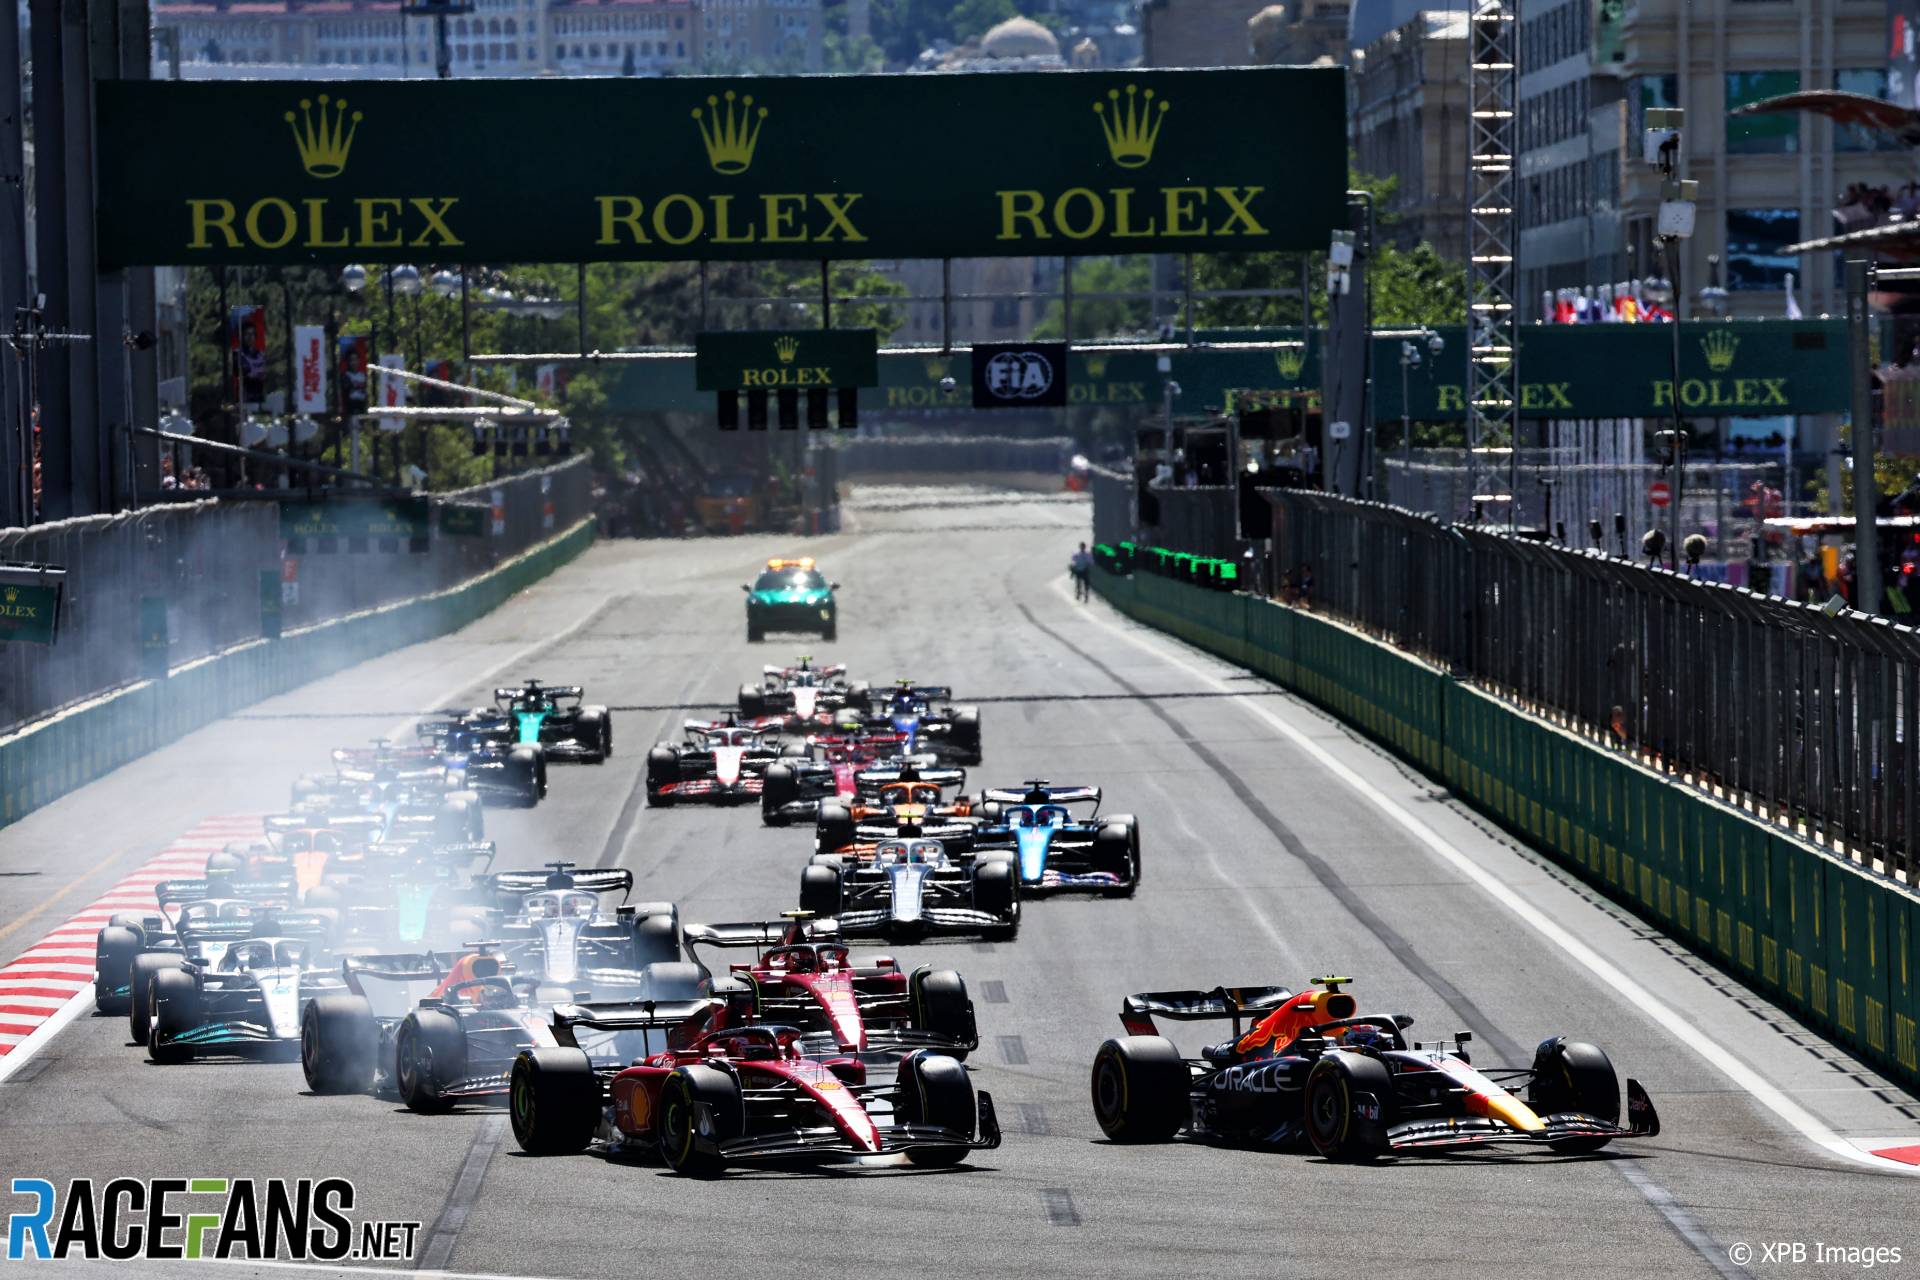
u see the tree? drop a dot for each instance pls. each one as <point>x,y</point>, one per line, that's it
<point>1095,317</point>
<point>972,18</point>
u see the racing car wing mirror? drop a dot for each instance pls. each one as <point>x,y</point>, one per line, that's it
<point>744,587</point>
<point>833,586</point>
<point>1403,1020</point>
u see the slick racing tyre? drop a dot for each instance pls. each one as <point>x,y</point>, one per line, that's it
<point>938,1004</point>
<point>678,1132</point>
<point>996,889</point>
<point>1116,853</point>
<point>524,776</point>
<point>1571,1076</point>
<point>777,788</point>
<point>146,966</point>
<point>820,891</point>
<point>338,1041</point>
<point>753,701</point>
<point>429,1053</point>
<point>595,736</point>
<point>554,1100</point>
<point>1140,1088</point>
<point>832,828</point>
<point>935,1090</point>
<point>176,1011</point>
<point>1340,1123</point>
<point>113,953</point>
<point>663,769</point>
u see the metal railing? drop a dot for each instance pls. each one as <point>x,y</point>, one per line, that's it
<point>1804,718</point>
<point>205,559</point>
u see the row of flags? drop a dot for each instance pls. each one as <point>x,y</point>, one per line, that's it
<point>352,356</point>
<point>1623,303</point>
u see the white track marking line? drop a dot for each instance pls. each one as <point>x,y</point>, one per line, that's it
<point>1722,1060</point>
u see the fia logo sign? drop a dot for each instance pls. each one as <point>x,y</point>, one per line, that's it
<point>1019,375</point>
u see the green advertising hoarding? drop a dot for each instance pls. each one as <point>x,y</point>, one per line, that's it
<point>1001,164</point>
<point>1735,368</point>
<point>355,518</point>
<point>29,609</point>
<point>781,359</point>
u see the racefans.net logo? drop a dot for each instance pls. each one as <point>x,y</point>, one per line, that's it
<point>280,1219</point>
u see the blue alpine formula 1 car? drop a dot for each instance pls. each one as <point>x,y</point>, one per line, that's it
<point>1053,848</point>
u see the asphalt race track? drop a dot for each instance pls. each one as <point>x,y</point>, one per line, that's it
<point>1272,854</point>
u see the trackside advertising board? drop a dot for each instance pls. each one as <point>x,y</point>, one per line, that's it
<point>1006,164</point>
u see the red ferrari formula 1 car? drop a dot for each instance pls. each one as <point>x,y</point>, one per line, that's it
<point>1314,1069</point>
<point>805,979</point>
<point>737,1094</point>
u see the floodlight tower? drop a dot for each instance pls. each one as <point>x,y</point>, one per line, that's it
<point>1493,347</point>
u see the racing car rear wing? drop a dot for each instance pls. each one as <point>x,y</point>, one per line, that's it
<point>629,1015</point>
<point>510,883</point>
<point>767,933</point>
<point>542,690</point>
<point>1041,793</point>
<point>944,777</point>
<point>1138,1011</point>
<point>283,822</point>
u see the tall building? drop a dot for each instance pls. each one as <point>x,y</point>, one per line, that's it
<point>212,39</point>
<point>1408,90</point>
<point>1591,68</point>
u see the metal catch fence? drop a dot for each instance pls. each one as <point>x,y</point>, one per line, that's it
<point>206,561</point>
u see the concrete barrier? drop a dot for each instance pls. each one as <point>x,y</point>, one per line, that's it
<point>46,759</point>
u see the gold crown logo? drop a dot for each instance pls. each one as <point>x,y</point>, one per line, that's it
<point>1720,347</point>
<point>786,349</point>
<point>937,368</point>
<point>13,593</point>
<point>1133,129</point>
<point>323,143</point>
<point>1097,366</point>
<point>1290,361</point>
<point>730,133</point>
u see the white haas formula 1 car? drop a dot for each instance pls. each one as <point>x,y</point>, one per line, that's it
<point>721,762</point>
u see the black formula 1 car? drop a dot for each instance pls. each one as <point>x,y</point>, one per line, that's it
<point>1053,848</point>
<point>555,718</point>
<point>720,762</point>
<point>926,715</point>
<point>438,1028</point>
<point>1313,1069</point>
<point>732,1095</point>
<point>907,889</point>
<point>481,749</point>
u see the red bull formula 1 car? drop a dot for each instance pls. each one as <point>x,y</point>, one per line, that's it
<point>1314,1070</point>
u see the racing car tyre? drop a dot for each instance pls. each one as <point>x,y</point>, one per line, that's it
<point>753,701</point>
<point>663,767</point>
<point>338,1041</point>
<point>793,750</point>
<point>176,1011</point>
<point>554,1100</point>
<point>523,775</point>
<point>831,632</point>
<point>140,978</point>
<point>935,1090</point>
<point>755,632</point>
<point>592,728</point>
<point>113,953</point>
<point>1140,1089</point>
<point>321,895</point>
<point>121,920</point>
<point>678,1126</point>
<point>1569,1075</point>
<point>833,860</point>
<point>1334,1123</point>
<point>857,690</point>
<point>656,940</point>
<point>832,828</point>
<point>430,1050</point>
<point>676,980</point>
<point>995,887</point>
<point>820,891</point>
<point>304,787</point>
<point>1116,852</point>
<point>777,788</point>
<point>939,1004</point>
<point>966,734</point>
<point>231,863</point>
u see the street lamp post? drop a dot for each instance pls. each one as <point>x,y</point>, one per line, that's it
<point>1660,147</point>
